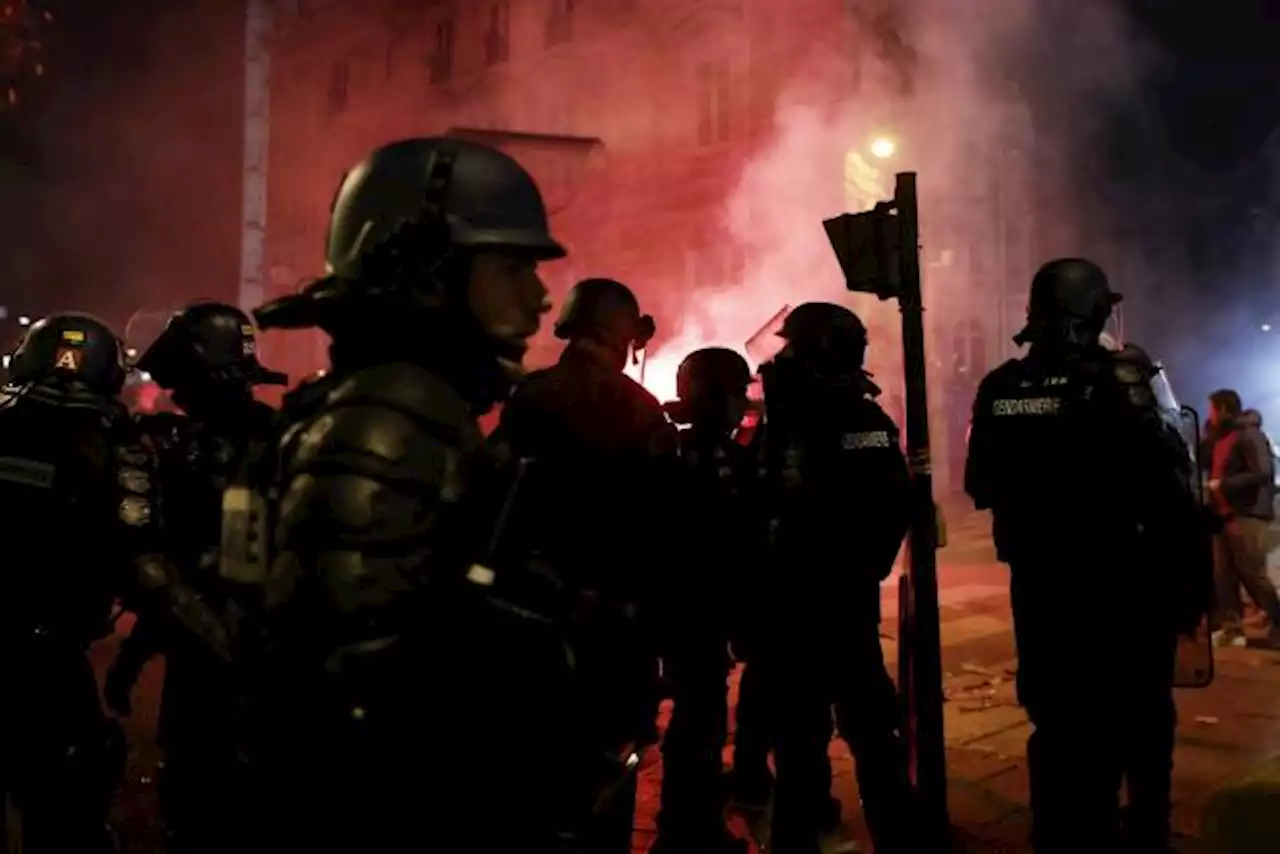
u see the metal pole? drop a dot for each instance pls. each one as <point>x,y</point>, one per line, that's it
<point>920,653</point>
<point>257,117</point>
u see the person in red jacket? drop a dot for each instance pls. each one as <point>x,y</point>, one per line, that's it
<point>1242,489</point>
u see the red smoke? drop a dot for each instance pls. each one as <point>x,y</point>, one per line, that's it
<point>774,219</point>
<point>957,108</point>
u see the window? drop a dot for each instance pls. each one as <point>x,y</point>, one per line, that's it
<point>968,348</point>
<point>714,95</point>
<point>441,59</point>
<point>559,22</point>
<point>339,79</point>
<point>497,40</point>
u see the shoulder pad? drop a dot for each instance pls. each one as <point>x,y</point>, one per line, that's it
<point>389,428</point>
<point>1132,365</point>
<point>1135,372</point>
<point>1134,353</point>
<point>353,512</point>
<point>417,392</point>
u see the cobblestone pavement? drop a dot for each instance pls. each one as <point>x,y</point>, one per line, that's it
<point>1229,734</point>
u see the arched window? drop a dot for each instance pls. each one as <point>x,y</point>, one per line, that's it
<point>969,348</point>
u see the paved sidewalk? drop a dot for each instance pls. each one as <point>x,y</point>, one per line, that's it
<point>1227,761</point>
<point>1226,775</point>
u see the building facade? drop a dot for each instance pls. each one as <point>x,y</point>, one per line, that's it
<point>638,117</point>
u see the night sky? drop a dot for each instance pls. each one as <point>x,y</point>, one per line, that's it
<point>1220,97</point>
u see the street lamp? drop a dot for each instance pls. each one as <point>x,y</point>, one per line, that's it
<point>883,147</point>
<point>24,321</point>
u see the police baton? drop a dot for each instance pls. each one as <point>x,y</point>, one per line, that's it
<point>879,253</point>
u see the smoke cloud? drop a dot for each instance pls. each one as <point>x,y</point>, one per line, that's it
<point>1011,100</point>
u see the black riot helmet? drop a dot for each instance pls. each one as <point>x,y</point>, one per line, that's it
<point>604,309</point>
<point>470,195</point>
<point>1070,302</point>
<point>825,333</point>
<point>207,342</point>
<point>828,344</point>
<point>403,227</point>
<point>712,373</point>
<point>73,346</point>
<point>711,387</point>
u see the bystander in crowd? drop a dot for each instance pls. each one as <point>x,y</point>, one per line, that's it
<point>1242,488</point>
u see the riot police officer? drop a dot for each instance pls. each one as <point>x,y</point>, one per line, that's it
<point>838,484</point>
<point>601,458</point>
<point>723,542</point>
<point>373,728</point>
<point>1070,453</point>
<point>60,423</point>
<point>206,358</point>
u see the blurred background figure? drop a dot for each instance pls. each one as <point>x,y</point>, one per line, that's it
<point>1242,485</point>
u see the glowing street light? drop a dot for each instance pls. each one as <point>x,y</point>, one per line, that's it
<point>24,321</point>
<point>883,147</point>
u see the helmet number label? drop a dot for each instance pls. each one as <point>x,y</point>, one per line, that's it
<point>68,359</point>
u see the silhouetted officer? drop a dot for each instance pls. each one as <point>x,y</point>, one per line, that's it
<point>714,575</point>
<point>1093,512</point>
<point>601,459</point>
<point>206,358</point>
<point>66,559</point>
<point>838,483</point>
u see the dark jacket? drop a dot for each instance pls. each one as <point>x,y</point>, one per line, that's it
<point>605,453</point>
<point>1243,466</point>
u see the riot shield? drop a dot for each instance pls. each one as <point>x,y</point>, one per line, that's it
<point>1193,666</point>
<point>764,343</point>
